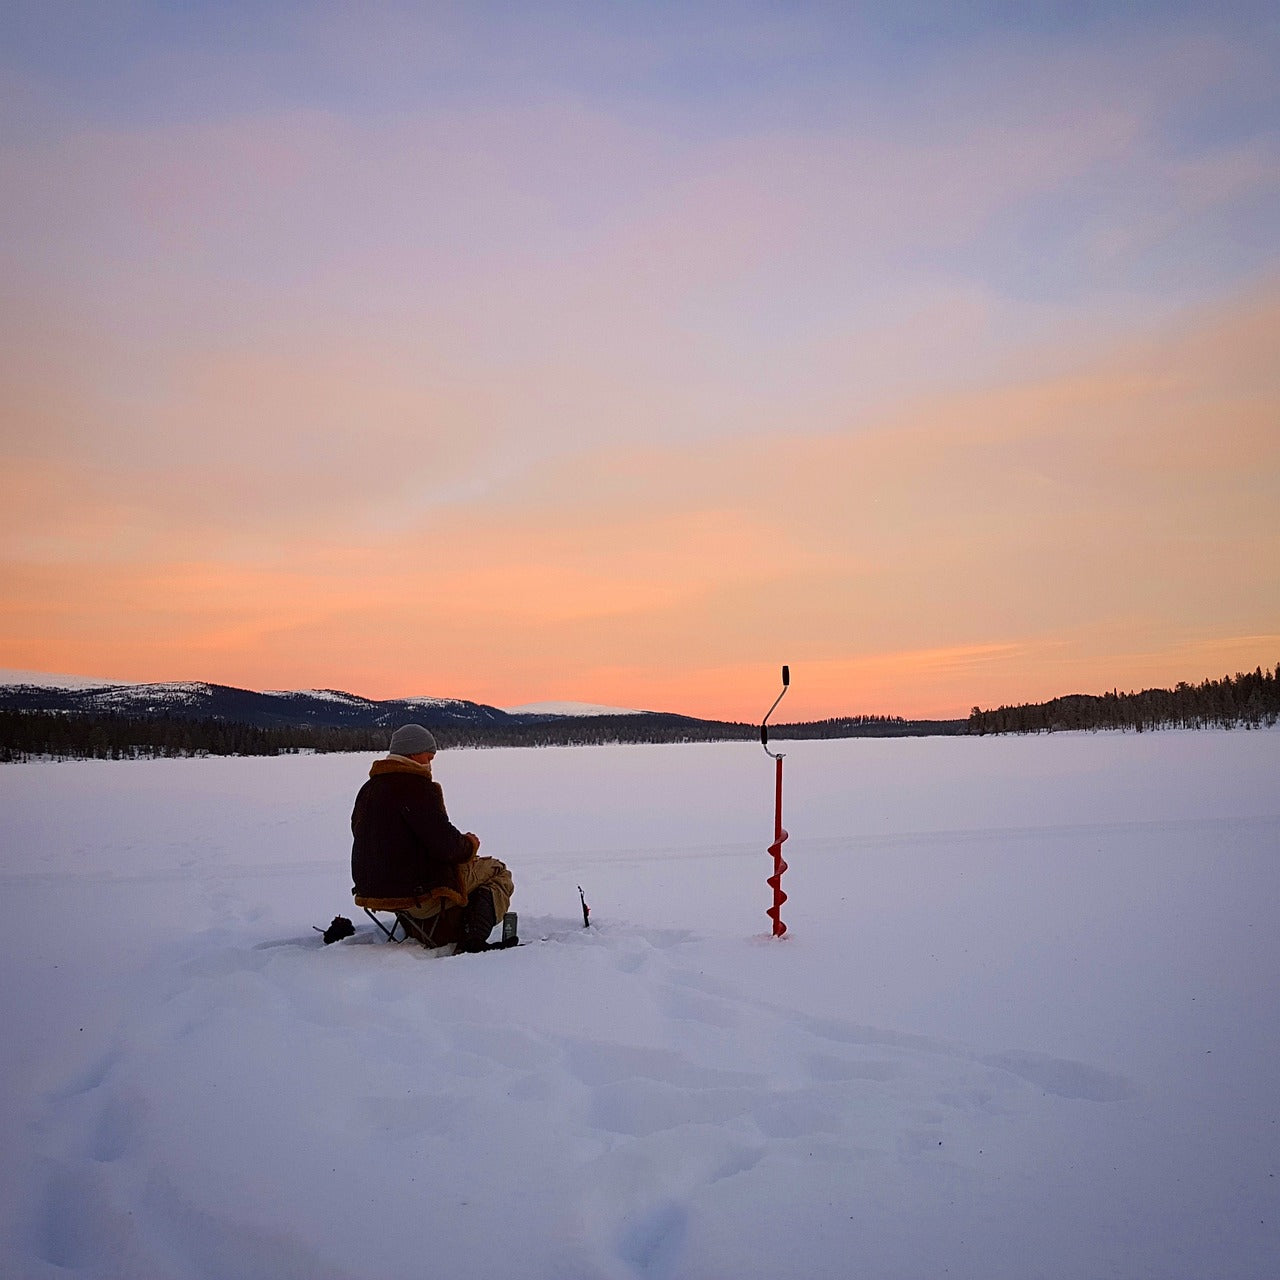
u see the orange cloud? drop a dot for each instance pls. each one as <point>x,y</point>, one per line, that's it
<point>1113,524</point>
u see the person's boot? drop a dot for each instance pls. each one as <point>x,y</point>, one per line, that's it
<point>476,921</point>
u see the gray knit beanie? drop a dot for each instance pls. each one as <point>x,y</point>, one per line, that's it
<point>411,740</point>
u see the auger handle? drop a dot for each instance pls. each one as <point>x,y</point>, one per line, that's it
<point>764,724</point>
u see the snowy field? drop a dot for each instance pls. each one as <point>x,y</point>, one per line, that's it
<point>1026,1022</point>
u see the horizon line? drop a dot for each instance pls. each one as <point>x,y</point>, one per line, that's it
<point>11,677</point>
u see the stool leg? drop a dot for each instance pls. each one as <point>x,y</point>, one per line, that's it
<point>390,933</point>
<point>423,930</point>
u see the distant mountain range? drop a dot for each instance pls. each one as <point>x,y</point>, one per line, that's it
<point>459,721</point>
<point>316,708</point>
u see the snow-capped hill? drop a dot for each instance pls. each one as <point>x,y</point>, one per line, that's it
<point>277,708</point>
<point>323,695</point>
<point>56,693</point>
<point>570,709</point>
<point>199,699</point>
<point>160,695</point>
<point>42,691</point>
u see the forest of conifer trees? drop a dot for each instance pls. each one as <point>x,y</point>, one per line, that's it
<point>1249,699</point>
<point>60,735</point>
<point>26,735</point>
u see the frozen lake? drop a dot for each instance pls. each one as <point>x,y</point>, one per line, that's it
<point>1026,1021</point>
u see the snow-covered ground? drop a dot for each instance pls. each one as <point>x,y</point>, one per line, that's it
<point>1026,1022</point>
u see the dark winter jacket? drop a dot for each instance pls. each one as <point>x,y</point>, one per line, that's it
<point>404,844</point>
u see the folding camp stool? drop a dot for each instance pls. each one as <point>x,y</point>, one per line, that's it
<point>432,931</point>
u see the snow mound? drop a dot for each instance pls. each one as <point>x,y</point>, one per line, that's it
<point>47,680</point>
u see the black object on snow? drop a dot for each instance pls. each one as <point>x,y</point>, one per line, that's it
<point>505,945</point>
<point>339,927</point>
<point>476,921</point>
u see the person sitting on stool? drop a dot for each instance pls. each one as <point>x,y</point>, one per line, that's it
<point>404,845</point>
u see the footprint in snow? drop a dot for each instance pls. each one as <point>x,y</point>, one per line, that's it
<point>1063,1077</point>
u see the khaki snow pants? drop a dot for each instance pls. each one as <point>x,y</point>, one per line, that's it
<point>476,874</point>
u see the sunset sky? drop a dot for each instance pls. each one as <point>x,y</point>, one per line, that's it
<point>623,352</point>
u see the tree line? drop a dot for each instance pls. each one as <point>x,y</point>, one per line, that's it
<point>1250,699</point>
<point>27,735</point>
<point>865,727</point>
<point>659,728</point>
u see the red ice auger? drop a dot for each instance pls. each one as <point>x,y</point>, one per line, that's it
<point>779,835</point>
